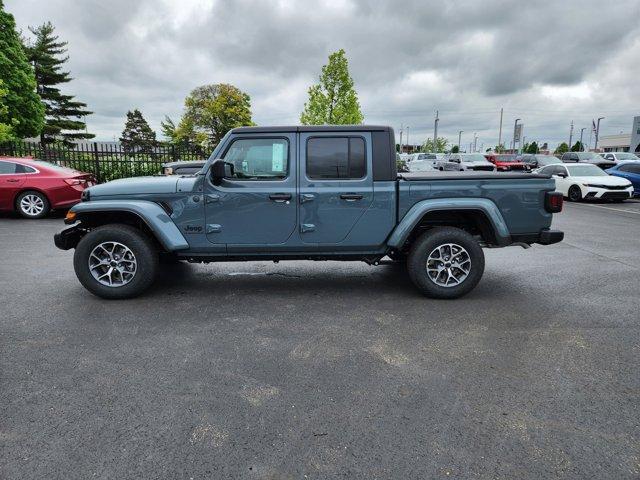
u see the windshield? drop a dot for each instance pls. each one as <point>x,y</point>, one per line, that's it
<point>506,158</point>
<point>473,157</point>
<point>546,159</point>
<point>589,156</point>
<point>426,156</point>
<point>586,171</point>
<point>627,156</point>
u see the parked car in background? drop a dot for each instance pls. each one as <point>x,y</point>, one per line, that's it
<point>421,166</point>
<point>619,156</point>
<point>578,181</point>
<point>536,160</point>
<point>182,168</point>
<point>33,187</point>
<point>629,170</point>
<point>587,157</point>
<point>465,161</point>
<point>505,162</point>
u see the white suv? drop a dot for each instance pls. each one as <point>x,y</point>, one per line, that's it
<point>465,161</point>
<point>619,156</point>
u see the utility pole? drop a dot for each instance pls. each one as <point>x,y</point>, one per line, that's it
<point>598,133</point>
<point>408,139</point>
<point>401,127</point>
<point>459,138</point>
<point>515,125</point>
<point>571,135</point>
<point>475,142</point>
<point>581,134</point>
<point>435,133</point>
<point>500,132</point>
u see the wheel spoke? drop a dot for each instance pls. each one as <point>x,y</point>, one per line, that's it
<point>448,265</point>
<point>112,264</point>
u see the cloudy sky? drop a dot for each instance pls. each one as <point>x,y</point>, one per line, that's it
<point>546,62</point>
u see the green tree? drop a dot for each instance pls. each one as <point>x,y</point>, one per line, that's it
<point>441,145</point>
<point>562,148</point>
<point>22,111</point>
<point>6,129</point>
<point>333,101</point>
<point>455,149</point>
<point>578,147</point>
<point>533,148</point>
<point>137,135</point>
<point>210,112</point>
<point>64,116</point>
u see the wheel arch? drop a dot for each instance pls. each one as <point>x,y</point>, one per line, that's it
<point>147,216</point>
<point>476,216</point>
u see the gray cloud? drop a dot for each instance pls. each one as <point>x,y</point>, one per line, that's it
<point>546,62</point>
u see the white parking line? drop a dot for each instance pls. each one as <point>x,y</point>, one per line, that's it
<point>608,208</point>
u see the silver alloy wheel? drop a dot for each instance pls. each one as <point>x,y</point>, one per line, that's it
<point>112,264</point>
<point>448,265</point>
<point>32,205</point>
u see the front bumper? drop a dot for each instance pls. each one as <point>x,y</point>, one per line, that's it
<point>595,193</point>
<point>68,238</point>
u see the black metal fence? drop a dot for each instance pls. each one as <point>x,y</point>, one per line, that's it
<point>107,161</point>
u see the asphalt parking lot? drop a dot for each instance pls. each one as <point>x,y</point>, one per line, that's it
<point>327,370</point>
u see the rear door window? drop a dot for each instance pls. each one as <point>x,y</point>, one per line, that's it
<point>336,158</point>
<point>8,168</point>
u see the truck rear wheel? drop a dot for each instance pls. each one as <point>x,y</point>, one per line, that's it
<point>445,262</point>
<point>116,261</point>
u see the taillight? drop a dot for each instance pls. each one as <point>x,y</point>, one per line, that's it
<point>73,181</point>
<point>553,202</point>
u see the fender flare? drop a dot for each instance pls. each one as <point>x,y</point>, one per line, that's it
<point>152,214</point>
<point>414,215</point>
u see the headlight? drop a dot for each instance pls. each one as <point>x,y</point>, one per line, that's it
<point>594,185</point>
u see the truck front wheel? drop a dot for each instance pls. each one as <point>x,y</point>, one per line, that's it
<point>116,261</point>
<point>445,262</point>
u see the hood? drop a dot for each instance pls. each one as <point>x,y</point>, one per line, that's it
<point>135,186</point>
<point>608,180</point>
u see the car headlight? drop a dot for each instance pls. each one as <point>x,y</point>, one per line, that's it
<point>594,185</point>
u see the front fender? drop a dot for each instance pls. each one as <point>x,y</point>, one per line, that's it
<point>152,214</point>
<point>414,215</point>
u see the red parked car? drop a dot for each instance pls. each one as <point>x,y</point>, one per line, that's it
<point>505,162</point>
<point>33,187</point>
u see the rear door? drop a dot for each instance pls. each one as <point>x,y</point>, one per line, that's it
<point>336,184</point>
<point>12,177</point>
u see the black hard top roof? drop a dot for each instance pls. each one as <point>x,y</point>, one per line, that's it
<point>312,128</point>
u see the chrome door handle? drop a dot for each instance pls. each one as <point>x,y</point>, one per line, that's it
<point>12,180</point>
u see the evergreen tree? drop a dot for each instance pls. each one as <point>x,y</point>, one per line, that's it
<point>334,100</point>
<point>64,116</point>
<point>577,147</point>
<point>533,148</point>
<point>137,135</point>
<point>23,111</point>
<point>455,149</point>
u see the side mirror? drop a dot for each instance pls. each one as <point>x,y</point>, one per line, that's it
<point>561,175</point>
<point>220,170</point>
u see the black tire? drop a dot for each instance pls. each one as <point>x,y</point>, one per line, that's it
<point>423,247</point>
<point>575,194</point>
<point>143,249</point>
<point>43,205</point>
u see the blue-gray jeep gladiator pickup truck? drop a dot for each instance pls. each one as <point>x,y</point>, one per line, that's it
<point>307,192</point>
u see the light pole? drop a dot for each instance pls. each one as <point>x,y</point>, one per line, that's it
<point>401,128</point>
<point>571,135</point>
<point>408,139</point>
<point>459,138</point>
<point>581,134</point>
<point>435,133</point>
<point>515,126</point>
<point>597,133</point>
<point>475,142</point>
<point>500,133</point>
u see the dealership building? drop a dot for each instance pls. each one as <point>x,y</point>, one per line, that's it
<point>623,142</point>
<point>634,144</point>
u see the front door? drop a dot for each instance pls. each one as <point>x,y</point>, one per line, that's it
<point>10,183</point>
<point>256,205</point>
<point>336,184</point>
